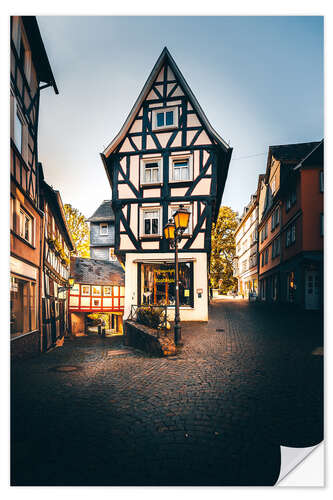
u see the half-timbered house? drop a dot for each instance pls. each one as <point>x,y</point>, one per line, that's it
<point>102,232</point>
<point>98,288</point>
<point>166,154</point>
<point>30,72</point>
<point>58,244</point>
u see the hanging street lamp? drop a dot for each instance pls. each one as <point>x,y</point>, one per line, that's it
<point>173,232</point>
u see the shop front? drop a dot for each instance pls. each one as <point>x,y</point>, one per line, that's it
<point>24,307</point>
<point>151,280</point>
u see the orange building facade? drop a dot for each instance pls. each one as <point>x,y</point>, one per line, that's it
<point>291,226</point>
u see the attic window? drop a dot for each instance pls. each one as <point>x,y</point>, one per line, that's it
<point>103,229</point>
<point>164,118</point>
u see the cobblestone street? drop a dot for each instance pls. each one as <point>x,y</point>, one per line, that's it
<point>245,383</point>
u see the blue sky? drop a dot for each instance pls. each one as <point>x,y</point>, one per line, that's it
<point>258,79</point>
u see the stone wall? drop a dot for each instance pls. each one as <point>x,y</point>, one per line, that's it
<point>146,339</point>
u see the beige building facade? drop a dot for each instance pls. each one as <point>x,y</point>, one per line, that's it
<point>246,238</point>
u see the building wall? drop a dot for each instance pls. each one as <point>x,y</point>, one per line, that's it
<point>77,323</point>
<point>200,310</point>
<point>312,207</point>
<point>97,239</point>
<point>246,252</point>
<point>100,253</point>
<point>25,263</point>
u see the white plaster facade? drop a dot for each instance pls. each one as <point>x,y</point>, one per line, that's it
<point>200,310</point>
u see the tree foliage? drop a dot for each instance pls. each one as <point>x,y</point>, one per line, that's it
<point>223,250</point>
<point>79,230</point>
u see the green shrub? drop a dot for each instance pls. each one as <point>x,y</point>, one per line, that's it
<point>150,316</point>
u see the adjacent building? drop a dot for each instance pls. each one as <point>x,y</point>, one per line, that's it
<point>102,237</point>
<point>98,288</point>
<point>57,247</point>
<point>166,154</point>
<point>291,226</point>
<point>30,72</point>
<point>246,239</point>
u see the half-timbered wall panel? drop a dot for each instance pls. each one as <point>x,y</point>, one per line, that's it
<point>24,112</point>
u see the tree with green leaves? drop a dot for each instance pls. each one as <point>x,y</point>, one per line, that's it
<point>79,229</point>
<point>223,250</point>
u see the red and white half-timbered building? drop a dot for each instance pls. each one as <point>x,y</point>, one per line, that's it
<point>166,154</point>
<point>98,288</point>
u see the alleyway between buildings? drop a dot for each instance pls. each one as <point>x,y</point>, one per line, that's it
<point>245,383</point>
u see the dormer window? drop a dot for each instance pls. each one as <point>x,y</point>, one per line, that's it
<point>164,118</point>
<point>103,229</point>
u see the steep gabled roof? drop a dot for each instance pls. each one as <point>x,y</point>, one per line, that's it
<point>288,154</point>
<point>292,152</point>
<point>38,52</point>
<point>315,155</point>
<point>165,57</point>
<point>103,213</point>
<point>97,272</point>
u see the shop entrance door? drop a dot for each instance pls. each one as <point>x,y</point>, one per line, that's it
<point>311,290</point>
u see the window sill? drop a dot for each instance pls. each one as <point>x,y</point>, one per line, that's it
<point>151,237</point>
<point>151,184</point>
<point>165,128</point>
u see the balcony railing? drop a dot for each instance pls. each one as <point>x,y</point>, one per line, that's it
<point>153,316</point>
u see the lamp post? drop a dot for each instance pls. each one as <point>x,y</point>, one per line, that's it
<point>68,286</point>
<point>173,232</point>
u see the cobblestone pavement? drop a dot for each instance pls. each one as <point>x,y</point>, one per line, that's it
<point>214,415</point>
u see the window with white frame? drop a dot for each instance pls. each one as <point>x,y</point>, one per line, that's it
<point>151,171</point>
<point>103,229</point>
<point>150,221</point>
<point>273,185</point>
<point>164,118</point>
<point>26,226</point>
<point>173,209</point>
<point>180,168</point>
